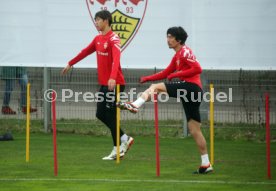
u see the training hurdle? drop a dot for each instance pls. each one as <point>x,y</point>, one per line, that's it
<point>212,124</point>
<point>118,118</point>
<point>28,123</point>
<point>54,132</point>
<point>156,135</point>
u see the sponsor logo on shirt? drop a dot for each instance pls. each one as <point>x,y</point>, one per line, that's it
<point>102,53</point>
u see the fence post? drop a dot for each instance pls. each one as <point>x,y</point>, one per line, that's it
<point>185,125</point>
<point>46,105</point>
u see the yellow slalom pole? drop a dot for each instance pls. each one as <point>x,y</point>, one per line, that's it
<point>28,125</point>
<point>118,123</point>
<point>212,123</point>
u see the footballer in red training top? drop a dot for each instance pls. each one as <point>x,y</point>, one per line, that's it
<point>108,57</point>
<point>108,50</point>
<point>186,69</point>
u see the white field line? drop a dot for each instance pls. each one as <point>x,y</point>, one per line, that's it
<point>135,180</point>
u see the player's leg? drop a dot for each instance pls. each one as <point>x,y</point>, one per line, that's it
<point>195,131</point>
<point>194,123</point>
<point>191,103</point>
<point>6,110</point>
<point>101,115</point>
<point>110,121</point>
<point>147,95</point>
<point>101,105</point>
<point>107,114</point>
<point>23,82</point>
<point>126,141</point>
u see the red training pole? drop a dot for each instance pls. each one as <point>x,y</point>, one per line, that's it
<point>156,135</point>
<point>54,132</point>
<point>267,112</point>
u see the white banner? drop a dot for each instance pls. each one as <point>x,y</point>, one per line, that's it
<point>223,34</point>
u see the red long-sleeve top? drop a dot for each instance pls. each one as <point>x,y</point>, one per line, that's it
<point>183,66</point>
<point>108,57</point>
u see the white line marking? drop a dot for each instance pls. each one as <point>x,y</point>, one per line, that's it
<point>137,180</point>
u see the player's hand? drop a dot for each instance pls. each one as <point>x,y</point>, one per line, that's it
<point>143,79</point>
<point>65,70</point>
<point>170,77</point>
<point>111,84</point>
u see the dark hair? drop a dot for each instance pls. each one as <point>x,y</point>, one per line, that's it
<point>105,15</point>
<point>179,33</point>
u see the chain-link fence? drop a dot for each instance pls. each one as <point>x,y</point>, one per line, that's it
<point>248,90</point>
<point>244,91</point>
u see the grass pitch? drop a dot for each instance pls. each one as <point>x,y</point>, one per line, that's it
<point>239,165</point>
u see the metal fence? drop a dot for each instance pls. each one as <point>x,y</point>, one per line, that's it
<point>247,87</point>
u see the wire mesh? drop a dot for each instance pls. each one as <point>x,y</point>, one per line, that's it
<point>247,103</point>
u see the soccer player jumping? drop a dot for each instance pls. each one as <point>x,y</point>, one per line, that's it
<point>108,49</point>
<point>186,68</point>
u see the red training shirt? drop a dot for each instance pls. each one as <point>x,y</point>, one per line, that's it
<point>183,66</point>
<point>108,57</point>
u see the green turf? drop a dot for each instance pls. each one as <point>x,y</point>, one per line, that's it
<point>168,128</point>
<point>239,165</point>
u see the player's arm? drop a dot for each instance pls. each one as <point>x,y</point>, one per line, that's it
<point>116,55</point>
<point>194,69</point>
<point>85,52</point>
<point>160,75</point>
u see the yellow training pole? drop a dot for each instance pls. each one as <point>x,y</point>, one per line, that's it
<point>118,123</point>
<point>212,123</point>
<point>28,124</point>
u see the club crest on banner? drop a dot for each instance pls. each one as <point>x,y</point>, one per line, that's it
<point>127,16</point>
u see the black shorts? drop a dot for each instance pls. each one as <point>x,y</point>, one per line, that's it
<point>108,98</point>
<point>190,95</point>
